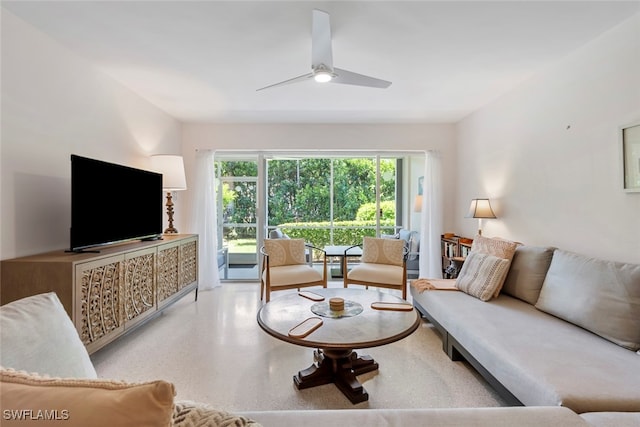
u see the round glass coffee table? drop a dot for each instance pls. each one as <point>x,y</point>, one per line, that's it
<point>336,334</point>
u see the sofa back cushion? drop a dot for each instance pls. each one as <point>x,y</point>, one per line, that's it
<point>527,272</point>
<point>600,296</point>
<point>37,335</point>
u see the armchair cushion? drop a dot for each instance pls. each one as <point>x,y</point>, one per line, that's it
<point>286,275</point>
<point>285,251</point>
<point>37,335</point>
<point>383,251</point>
<point>377,273</point>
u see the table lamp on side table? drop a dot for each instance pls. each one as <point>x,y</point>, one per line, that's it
<point>173,179</point>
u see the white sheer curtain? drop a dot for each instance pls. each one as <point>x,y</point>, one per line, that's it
<point>431,220</point>
<point>204,220</point>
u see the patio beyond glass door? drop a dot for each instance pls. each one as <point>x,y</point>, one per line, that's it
<point>238,184</point>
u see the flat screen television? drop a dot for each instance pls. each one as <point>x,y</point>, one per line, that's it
<point>111,203</point>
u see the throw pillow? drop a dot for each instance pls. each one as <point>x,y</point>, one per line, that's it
<point>37,335</point>
<point>285,251</point>
<point>383,251</point>
<point>600,296</point>
<point>497,247</point>
<point>481,274</point>
<point>81,403</point>
<point>192,414</point>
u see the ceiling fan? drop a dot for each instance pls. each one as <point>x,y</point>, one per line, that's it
<point>322,69</point>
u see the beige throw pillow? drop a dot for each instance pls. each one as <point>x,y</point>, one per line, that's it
<point>497,247</point>
<point>481,275</point>
<point>285,251</point>
<point>82,403</point>
<point>383,251</point>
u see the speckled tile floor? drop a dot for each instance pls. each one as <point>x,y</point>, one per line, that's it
<point>214,351</point>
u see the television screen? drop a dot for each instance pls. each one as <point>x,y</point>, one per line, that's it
<point>113,203</point>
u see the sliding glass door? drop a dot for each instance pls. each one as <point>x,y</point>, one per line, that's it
<point>237,213</point>
<point>326,200</point>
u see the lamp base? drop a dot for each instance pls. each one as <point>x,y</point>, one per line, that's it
<point>171,229</point>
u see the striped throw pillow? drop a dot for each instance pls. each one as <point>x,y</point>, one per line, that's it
<point>482,274</point>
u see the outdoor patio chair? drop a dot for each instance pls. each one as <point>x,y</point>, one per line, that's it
<point>284,267</point>
<point>384,265</point>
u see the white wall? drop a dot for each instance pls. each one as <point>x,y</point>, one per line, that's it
<point>54,104</point>
<point>329,137</point>
<point>548,154</point>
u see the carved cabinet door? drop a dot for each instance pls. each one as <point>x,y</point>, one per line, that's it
<point>139,285</point>
<point>99,302</point>
<point>168,272</point>
<point>188,262</point>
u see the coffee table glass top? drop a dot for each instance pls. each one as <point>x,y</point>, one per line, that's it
<point>370,328</point>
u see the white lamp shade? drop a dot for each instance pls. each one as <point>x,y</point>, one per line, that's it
<point>172,169</point>
<point>480,208</point>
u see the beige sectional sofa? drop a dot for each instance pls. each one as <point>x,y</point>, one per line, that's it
<point>45,367</point>
<point>564,331</point>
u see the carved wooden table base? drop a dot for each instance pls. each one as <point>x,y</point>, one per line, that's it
<point>339,367</point>
<point>338,337</point>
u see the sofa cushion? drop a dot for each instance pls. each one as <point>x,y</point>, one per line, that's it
<point>612,419</point>
<point>86,402</point>
<point>432,417</point>
<point>481,275</point>
<point>527,272</point>
<point>600,296</point>
<point>37,335</point>
<point>285,251</point>
<point>383,251</point>
<point>541,359</point>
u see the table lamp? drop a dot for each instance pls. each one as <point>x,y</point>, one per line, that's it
<point>480,208</point>
<point>173,179</point>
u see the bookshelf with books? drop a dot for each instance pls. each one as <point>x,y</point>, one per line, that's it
<point>454,250</point>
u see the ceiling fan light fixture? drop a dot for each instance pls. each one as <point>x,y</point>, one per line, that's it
<point>322,76</point>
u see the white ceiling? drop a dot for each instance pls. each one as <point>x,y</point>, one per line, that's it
<point>203,61</point>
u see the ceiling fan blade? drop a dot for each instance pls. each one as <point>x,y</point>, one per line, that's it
<point>351,78</point>
<point>287,82</point>
<point>321,40</point>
